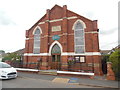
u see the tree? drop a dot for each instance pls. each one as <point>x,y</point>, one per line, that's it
<point>12,57</point>
<point>2,51</point>
<point>115,59</point>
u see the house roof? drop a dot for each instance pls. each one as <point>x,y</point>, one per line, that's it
<point>104,52</point>
<point>20,51</point>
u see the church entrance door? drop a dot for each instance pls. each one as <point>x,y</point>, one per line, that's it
<point>56,57</point>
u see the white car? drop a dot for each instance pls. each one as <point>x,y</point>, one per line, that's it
<point>6,71</point>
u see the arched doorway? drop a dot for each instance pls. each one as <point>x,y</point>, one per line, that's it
<point>56,57</point>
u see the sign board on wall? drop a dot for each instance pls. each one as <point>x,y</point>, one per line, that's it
<point>56,28</point>
<point>56,37</point>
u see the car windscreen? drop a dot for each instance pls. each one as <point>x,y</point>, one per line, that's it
<point>4,65</point>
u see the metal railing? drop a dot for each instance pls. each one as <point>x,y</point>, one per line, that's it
<point>74,67</point>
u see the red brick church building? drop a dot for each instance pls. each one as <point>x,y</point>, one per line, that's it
<point>63,40</point>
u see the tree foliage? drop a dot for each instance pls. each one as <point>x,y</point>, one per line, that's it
<point>105,57</point>
<point>12,57</point>
<point>115,59</point>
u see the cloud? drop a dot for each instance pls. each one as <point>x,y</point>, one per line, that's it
<point>12,38</point>
<point>110,31</point>
<point>89,15</point>
<point>108,45</point>
<point>4,19</point>
<point>25,13</point>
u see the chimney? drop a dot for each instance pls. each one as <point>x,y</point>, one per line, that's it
<point>65,11</point>
<point>95,26</point>
<point>65,7</point>
<point>48,14</point>
<point>26,33</point>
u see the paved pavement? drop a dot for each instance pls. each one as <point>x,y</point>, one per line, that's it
<point>73,80</point>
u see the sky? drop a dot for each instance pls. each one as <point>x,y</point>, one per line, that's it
<point>17,16</point>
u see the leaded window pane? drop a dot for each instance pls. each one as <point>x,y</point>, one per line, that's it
<point>78,25</point>
<point>36,43</point>
<point>79,38</point>
<point>36,37</point>
<point>56,49</point>
<point>37,31</point>
<point>79,41</point>
<point>79,33</point>
<point>36,50</point>
<point>79,49</point>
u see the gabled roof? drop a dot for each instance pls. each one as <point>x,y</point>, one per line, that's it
<point>57,6</point>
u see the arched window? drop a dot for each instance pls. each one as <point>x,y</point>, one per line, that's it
<point>79,38</point>
<point>56,49</point>
<point>36,47</point>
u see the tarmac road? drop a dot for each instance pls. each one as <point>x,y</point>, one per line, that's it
<point>24,82</point>
<point>27,82</point>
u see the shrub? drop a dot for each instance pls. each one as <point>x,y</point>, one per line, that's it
<point>115,59</point>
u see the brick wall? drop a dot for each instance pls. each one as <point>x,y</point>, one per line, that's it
<point>66,36</point>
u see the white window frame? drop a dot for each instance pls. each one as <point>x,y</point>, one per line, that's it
<point>34,48</point>
<point>84,26</point>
